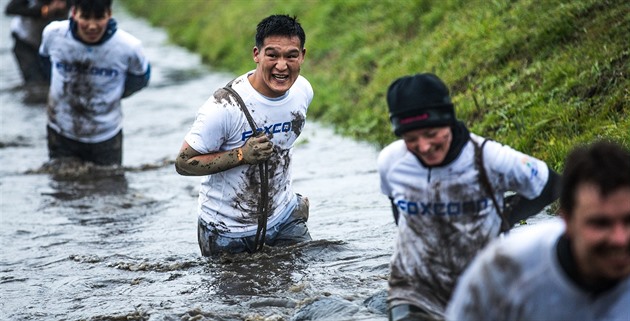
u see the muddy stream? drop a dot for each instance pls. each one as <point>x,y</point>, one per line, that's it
<point>85,243</point>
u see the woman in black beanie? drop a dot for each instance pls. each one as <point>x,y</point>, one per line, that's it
<point>446,186</point>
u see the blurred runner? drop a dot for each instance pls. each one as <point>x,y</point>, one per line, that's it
<point>93,65</point>
<point>446,186</point>
<point>31,16</point>
<point>576,270</point>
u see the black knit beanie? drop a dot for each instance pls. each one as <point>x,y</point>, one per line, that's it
<point>419,101</point>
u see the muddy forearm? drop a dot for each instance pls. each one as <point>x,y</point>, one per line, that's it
<point>207,164</point>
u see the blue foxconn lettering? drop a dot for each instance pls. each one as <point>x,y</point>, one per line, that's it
<point>86,70</point>
<point>442,208</point>
<point>268,130</point>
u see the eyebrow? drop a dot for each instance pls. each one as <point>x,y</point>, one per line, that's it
<point>276,49</point>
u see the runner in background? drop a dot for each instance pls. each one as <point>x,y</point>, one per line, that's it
<point>578,269</point>
<point>31,16</point>
<point>92,65</point>
<point>446,186</point>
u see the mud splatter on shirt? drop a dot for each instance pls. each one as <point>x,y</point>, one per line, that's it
<point>447,219</point>
<point>231,197</point>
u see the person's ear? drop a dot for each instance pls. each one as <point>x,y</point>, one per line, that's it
<point>255,53</point>
<point>303,53</point>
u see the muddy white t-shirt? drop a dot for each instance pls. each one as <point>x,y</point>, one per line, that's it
<point>87,81</point>
<point>228,200</point>
<point>446,216</point>
<point>520,278</point>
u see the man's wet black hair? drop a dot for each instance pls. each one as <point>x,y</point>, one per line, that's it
<point>96,8</point>
<point>279,25</point>
<point>605,164</point>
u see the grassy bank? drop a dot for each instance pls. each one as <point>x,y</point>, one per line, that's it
<point>540,76</point>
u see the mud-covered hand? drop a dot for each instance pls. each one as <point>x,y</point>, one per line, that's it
<point>257,149</point>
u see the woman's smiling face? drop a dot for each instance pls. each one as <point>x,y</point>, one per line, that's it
<point>430,144</point>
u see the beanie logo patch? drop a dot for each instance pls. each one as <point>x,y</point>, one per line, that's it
<point>412,119</point>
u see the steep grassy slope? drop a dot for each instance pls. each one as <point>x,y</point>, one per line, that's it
<point>540,76</point>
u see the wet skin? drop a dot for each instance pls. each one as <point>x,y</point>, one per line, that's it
<point>599,229</point>
<point>429,144</point>
<point>278,65</point>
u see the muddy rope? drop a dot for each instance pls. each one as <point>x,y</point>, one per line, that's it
<point>263,168</point>
<point>485,182</point>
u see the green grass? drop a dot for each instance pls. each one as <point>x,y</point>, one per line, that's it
<point>541,76</point>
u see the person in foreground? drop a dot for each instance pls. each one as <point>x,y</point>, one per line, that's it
<point>223,147</point>
<point>93,65</point>
<point>576,270</point>
<point>31,16</point>
<point>446,186</point>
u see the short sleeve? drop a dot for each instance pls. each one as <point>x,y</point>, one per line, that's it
<point>138,62</point>
<point>514,170</point>
<point>44,46</point>
<point>208,132</point>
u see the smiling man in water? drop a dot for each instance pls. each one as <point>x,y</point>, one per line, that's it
<point>578,269</point>
<point>237,161</point>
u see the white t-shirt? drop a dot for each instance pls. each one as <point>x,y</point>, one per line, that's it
<point>87,82</point>
<point>28,29</point>
<point>446,217</point>
<point>228,200</point>
<point>520,278</point>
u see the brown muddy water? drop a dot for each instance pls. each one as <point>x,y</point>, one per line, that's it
<point>84,243</point>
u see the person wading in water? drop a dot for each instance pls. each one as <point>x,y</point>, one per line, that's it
<point>241,143</point>
<point>446,186</point>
